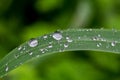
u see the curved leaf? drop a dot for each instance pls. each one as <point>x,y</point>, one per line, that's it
<point>59,41</point>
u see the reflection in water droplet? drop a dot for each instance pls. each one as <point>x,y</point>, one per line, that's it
<point>33,43</point>
<point>57,36</point>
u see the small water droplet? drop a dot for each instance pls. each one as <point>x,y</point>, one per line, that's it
<point>99,44</point>
<point>57,36</point>
<point>50,46</point>
<point>38,56</point>
<point>42,50</point>
<point>99,35</point>
<point>16,56</point>
<point>79,37</point>
<point>19,48</point>
<point>68,39</point>
<point>45,36</point>
<point>30,53</point>
<point>24,48</point>
<point>94,38</point>
<point>65,45</point>
<point>33,42</point>
<point>7,68</point>
<point>113,43</point>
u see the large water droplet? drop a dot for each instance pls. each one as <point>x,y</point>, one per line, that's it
<point>33,42</point>
<point>57,36</point>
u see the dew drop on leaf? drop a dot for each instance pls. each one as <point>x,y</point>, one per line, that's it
<point>79,37</point>
<point>68,39</point>
<point>7,68</point>
<point>99,44</point>
<point>16,56</point>
<point>113,43</point>
<point>45,36</point>
<point>19,48</point>
<point>33,42</point>
<point>57,36</point>
<point>65,45</point>
<point>50,46</point>
<point>38,56</point>
<point>30,53</point>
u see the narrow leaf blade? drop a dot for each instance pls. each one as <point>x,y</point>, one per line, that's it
<point>67,40</point>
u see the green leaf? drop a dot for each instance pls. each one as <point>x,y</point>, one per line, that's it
<point>60,41</point>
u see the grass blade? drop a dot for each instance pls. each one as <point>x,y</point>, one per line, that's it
<point>59,41</point>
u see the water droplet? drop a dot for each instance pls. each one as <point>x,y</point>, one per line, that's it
<point>113,43</point>
<point>16,56</point>
<point>50,46</point>
<point>68,39</point>
<point>7,68</point>
<point>78,37</point>
<point>42,50</point>
<point>38,56</point>
<point>45,36</point>
<point>33,42</point>
<point>24,48</point>
<point>57,36</point>
<point>99,44</point>
<point>99,35</point>
<point>30,53</point>
<point>19,48</point>
<point>94,38</point>
<point>65,45</point>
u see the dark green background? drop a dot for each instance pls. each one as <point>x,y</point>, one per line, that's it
<point>21,20</point>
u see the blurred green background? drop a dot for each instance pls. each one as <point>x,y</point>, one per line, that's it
<point>21,20</point>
